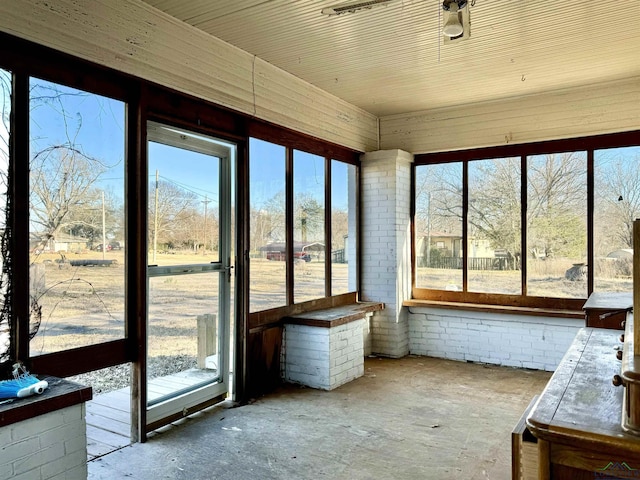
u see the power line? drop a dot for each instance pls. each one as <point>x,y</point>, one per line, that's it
<point>190,188</point>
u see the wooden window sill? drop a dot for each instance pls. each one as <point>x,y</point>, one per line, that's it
<point>334,316</point>
<point>506,309</point>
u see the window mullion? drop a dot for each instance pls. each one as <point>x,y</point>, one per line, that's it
<point>19,210</point>
<point>465,229</point>
<point>523,223</point>
<point>590,222</point>
<point>289,224</point>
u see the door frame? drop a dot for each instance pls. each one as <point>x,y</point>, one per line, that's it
<point>143,418</point>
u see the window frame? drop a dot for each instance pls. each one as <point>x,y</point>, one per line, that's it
<point>330,153</point>
<point>587,144</point>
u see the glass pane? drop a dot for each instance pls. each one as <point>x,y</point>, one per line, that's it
<point>76,217</point>
<point>438,226</point>
<point>183,330</point>
<point>184,208</point>
<point>268,278</point>
<point>557,225</point>
<point>494,226</point>
<point>343,222</point>
<point>617,205</point>
<point>5,129</point>
<point>308,226</point>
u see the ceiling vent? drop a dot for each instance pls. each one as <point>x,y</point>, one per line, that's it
<point>352,7</point>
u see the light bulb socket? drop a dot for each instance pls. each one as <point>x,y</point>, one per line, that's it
<point>460,4</point>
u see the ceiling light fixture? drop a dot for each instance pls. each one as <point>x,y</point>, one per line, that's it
<point>453,25</point>
<point>352,7</point>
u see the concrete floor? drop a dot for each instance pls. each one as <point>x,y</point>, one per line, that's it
<point>412,418</point>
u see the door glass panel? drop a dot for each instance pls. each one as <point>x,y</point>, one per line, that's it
<point>183,331</point>
<point>189,230</point>
<point>183,205</point>
<point>76,217</point>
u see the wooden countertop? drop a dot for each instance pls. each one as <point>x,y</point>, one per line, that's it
<point>334,316</point>
<point>580,407</point>
<point>60,394</point>
<point>609,301</point>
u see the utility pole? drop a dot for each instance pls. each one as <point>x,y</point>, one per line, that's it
<point>155,221</point>
<point>204,242</point>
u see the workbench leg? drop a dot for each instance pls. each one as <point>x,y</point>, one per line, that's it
<point>544,460</point>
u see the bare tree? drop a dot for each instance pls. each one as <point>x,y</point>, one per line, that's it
<point>62,187</point>
<point>557,204</point>
<point>309,217</point>
<point>339,228</point>
<point>618,197</point>
<point>494,202</point>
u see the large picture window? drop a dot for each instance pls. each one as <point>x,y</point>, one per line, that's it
<point>76,217</point>
<point>302,226</point>
<point>539,225</point>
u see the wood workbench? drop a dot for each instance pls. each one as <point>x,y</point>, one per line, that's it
<point>577,418</point>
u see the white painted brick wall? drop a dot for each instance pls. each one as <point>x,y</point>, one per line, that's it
<point>512,340</point>
<point>385,260</point>
<point>47,447</point>
<point>324,357</point>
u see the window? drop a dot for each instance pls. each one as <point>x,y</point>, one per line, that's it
<point>268,279</point>
<point>439,226</point>
<point>5,130</point>
<point>343,227</point>
<point>302,226</point>
<point>544,224</point>
<point>616,206</point>
<point>308,226</point>
<point>493,226</point>
<point>76,217</point>
<point>557,225</point>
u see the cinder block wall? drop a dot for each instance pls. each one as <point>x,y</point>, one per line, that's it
<point>502,339</point>
<point>49,446</point>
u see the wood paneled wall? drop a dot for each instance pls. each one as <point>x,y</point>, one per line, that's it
<point>577,112</point>
<point>135,38</point>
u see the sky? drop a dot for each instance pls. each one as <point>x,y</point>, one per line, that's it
<point>95,124</point>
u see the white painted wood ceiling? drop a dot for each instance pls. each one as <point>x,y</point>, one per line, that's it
<point>391,59</point>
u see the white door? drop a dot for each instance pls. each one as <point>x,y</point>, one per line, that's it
<point>189,227</point>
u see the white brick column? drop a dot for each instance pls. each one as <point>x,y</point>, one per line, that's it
<point>385,259</point>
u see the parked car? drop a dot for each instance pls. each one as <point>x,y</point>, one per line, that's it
<point>99,247</point>
<point>115,246</point>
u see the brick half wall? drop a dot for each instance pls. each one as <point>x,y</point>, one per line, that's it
<point>502,339</point>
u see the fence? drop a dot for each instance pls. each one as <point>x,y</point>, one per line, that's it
<point>478,263</point>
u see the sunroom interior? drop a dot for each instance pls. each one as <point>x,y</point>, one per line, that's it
<point>201,184</point>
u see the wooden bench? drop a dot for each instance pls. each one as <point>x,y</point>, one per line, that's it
<point>325,348</point>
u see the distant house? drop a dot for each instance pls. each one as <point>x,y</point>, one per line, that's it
<point>61,243</point>
<point>444,245</point>
<point>301,250</point>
